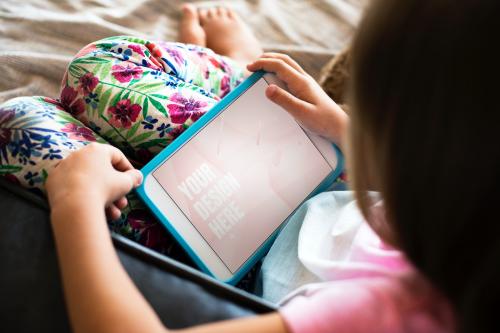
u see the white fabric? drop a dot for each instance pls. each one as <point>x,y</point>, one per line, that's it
<point>325,223</point>
<point>327,239</point>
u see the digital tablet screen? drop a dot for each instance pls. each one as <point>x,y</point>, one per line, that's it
<point>243,174</point>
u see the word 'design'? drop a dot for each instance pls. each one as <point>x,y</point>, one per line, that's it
<point>212,198</point>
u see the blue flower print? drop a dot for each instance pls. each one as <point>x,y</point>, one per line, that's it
<point>149,122</point>
<point>156,74</point>
<point>163,128</point>
<point>92,100</point>
<point>53,154</point>
<point>47,113</point>
<point>32,178</point>
<point>123,50</point>
<point>94,127</point>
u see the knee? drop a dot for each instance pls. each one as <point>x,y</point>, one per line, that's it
<point>99,71</point>
<point>35,133</point>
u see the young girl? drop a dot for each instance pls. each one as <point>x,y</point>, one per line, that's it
<point>423,118</point>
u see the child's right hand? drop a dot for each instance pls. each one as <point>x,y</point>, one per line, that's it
<point>97,174</point>
<point>305,101</point>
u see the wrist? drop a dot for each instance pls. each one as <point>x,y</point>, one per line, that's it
<point>336,132</point>
<point>68,194</point>
<point>75,204</point>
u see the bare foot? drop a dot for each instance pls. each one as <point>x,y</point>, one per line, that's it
<point>228,35</point>
<point>190,30</point>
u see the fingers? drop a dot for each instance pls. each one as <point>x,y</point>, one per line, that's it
<point>121,163</point>
<point>136,177</point>
<point>113,212</point>
<point>119,160</point>
<point>283,70</point>
<point>286,58</point>
<point>120,185</point>
<point>124,177</point>
<point>129,180</point>
<point>296,107</point>
<point>121,203</point>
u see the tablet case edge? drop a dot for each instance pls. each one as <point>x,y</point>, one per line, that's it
<point>181,139</point>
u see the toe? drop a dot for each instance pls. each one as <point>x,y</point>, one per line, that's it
<point>212,13</point>
<point>222,12</point>
<point>190,30</point>
<point>189,11</point>
<point>203,14</point>
<point>231,13</point>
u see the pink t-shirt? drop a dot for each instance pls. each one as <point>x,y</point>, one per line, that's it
<point>374,289</point>
<point>381,304</point>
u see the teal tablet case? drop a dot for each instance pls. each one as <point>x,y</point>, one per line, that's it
<point>183,138</point>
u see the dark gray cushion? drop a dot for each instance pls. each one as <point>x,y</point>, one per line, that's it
<point>31,298</point>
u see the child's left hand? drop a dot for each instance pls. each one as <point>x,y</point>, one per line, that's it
<point>305,100</point>
<point>98,173</point>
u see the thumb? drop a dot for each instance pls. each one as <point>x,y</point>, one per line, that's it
<point>136,177</point>
<point>125,181</point>
<point>295,106</point>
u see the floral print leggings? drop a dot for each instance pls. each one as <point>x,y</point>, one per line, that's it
<point>132,93</point>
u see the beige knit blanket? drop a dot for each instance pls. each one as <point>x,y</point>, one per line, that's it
<point>39,37</point>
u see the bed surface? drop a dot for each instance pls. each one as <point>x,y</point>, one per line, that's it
<point>39,37</point>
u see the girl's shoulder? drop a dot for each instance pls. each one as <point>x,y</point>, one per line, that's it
<point>399,303</point>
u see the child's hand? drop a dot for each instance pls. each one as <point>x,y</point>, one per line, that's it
<point>98,173</point>
<point>305,101</point>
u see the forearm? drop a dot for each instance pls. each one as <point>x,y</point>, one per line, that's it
<point>99,293</point>
<point>100,296</point>
<point>338,128</point>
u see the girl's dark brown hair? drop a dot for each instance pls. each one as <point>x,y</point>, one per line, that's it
<point>425,130</point>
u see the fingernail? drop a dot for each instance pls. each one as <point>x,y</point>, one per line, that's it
<point>139,178</point>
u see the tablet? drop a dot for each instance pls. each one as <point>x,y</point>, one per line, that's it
<point>226,186</point>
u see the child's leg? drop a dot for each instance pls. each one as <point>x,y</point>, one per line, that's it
<point>87,95</point>
<point>36,133</point>
<point>140,95</point>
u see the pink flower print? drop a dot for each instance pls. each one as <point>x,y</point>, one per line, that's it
<point>176,131</point>
<point>5,135</point>
<point>79,133</point>
<point>202,62</point>
<point>151,234</point>
<point>182,108</point>
<point>143,155</point>
<point>176,55</point>
<point>5,132</point>
<point>88,82</point>
<point>54,102</point>
<point>126,73</point>
<point>224,86</point>
<point>136,48</point>
<point>214,62</point>
<point>6,115</point>
<point>70,102</point>
<point>218,64</point>
<point>123,114</point>
<point>13,179</point>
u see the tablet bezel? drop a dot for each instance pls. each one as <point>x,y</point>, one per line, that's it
<point>162,205</point>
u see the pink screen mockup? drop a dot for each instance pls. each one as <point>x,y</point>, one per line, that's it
<point>243,174</point>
